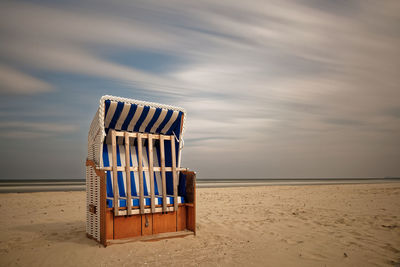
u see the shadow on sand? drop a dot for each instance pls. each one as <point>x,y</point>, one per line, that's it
<point>60,232</point>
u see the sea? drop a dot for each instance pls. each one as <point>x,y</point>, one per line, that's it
<point>48,185</point>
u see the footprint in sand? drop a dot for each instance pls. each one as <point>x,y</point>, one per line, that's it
<point>391,248</point>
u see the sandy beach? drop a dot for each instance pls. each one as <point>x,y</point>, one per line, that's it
<point>319,225</point>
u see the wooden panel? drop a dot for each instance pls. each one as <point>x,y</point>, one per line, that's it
<point>191,219</point>
<point>190,186</point>
<point>129,226</point>
<point>181,219</point>
<point>140,166</point>
<point>164,186</point>
<point>163,223</point>
<point>128,174</point>
<point>109,225</point>
<point>114,167</point>
<point>191,198</point>
<point>147,224</point>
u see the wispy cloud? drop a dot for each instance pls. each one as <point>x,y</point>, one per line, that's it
<point>29,130</point>
<point>13,81</point>
<point>291,83</point>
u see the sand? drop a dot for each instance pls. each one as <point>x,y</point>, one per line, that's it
<point>328,225</point>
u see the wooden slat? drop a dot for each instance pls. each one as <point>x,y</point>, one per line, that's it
<point>151,172</point>
<point>128,174</point>
<point>140,166</point>
<point>135,169</point>
<point>118,133</point>
<point>145,211</point>
<point>157,136</point>
<point>174,176</point>
<point>163,176</point>
<point>132,135</point>
<point>114,171</point>
<point>169,169</point>
<point>144,135</point>
<point>124,197</point>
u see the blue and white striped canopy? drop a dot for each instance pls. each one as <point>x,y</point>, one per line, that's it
<point>143,117</point>
<point>123,114</point>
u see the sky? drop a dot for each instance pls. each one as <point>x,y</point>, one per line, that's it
<point>272,89</point>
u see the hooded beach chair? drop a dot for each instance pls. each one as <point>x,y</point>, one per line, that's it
<point>135,186</point>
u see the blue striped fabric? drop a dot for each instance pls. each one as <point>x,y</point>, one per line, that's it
<point>121,178</point>
<point>143,119</point>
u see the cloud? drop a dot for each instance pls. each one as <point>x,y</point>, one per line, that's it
<point>286,83</point>
<point>32,130</point>
<point>13,81</point>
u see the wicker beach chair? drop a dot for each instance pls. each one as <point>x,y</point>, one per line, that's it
<point>135,186</point>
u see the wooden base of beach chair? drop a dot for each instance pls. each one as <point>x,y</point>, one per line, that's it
<point>147,227</point>
<point>117,227</point>
<point>136,227</point>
